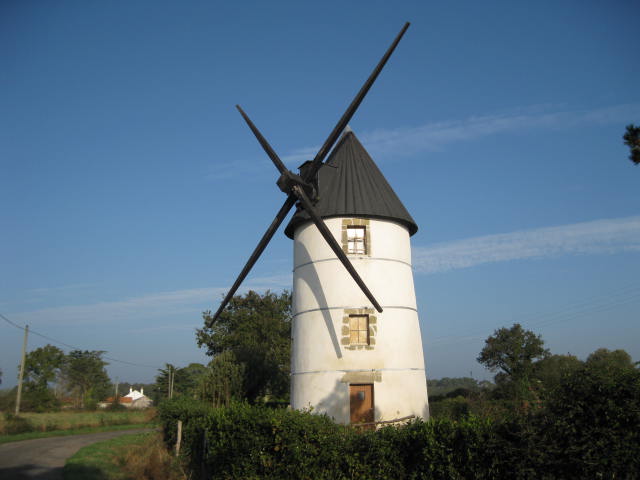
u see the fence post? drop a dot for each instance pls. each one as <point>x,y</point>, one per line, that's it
<point>179,439</point>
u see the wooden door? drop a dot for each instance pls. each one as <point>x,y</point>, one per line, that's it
<point>361,403</point>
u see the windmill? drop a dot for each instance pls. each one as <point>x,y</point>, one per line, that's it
<point>349,359</point>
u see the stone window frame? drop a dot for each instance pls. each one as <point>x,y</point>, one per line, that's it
<point>356,222</point>
<point>346,330</point>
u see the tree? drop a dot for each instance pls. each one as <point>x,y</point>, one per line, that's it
<point>632,140</point>
<point>163,380</point>
<point>512,352</point>
<point>190,376</point>
<point>592,420</point>
<point>550,371</point>
<point>185,380</point>
<point>223,381</point>
<point>445,385</point>
<point>85,376</point>
<point>42,366</point>
<point>605,360</point>
<point>257,330</point>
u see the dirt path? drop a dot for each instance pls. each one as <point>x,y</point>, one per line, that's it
<point>44,458</point>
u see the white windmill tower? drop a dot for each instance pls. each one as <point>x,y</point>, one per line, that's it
<point>348,360</point>
<point>354,358</point>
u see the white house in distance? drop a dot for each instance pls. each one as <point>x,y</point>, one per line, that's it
<point>134,399</point>
<point>349,361</point>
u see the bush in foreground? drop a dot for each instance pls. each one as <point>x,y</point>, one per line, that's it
<point>588,428</point>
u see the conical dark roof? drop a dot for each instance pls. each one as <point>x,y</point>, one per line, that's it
<point>351,185</point>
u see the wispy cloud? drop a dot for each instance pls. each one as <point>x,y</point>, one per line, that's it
<point>248,168</point>
<point>435,136</point>
<point>178,303</point>
<point>75,287</point>
<point>596,237</point>
<point>299,155</point>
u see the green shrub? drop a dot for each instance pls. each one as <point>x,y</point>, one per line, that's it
<point>589,429</point>
<point>591,425</point>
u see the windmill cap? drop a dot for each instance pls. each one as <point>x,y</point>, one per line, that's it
<point>355,187</point>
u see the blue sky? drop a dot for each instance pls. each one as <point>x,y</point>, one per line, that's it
<point>133,192</point>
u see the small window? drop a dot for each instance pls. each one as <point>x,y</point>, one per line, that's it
<point>359,329</point>
<point>356,243</point>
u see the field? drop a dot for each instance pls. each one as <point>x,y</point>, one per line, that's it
<point>66,421</point>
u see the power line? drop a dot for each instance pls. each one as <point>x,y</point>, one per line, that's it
<point>73,347</point>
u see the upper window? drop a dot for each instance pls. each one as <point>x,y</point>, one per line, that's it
<point>359,329</point>
<point>356,236</point>
<point>356,239</point>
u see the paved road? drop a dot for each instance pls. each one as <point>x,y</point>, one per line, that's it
<point>44,458</point>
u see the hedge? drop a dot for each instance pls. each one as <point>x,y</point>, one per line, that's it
<point>591,430</point>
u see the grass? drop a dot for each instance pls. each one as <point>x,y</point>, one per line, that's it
<point>75,431</point>
<point>39,425</point>
<point>99,461</point>
<point>140,456</point>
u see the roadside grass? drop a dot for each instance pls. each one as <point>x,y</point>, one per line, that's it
<point>39,425</point>
<point>99,461</point>
<point>141,456</point>
<point>76,431</point>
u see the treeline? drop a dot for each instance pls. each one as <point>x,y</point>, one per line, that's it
<point>441,387</point>
<point>528,376</point>
<point>52,377</point>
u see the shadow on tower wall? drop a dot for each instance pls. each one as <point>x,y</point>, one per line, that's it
<point>337,405</point>
<point>320,299</point>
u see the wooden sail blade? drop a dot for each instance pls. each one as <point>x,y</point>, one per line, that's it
<point>351,109</point>
<point>263,141</point>
<point>264,241</point>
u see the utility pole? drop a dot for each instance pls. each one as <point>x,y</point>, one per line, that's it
<point>24,352</point>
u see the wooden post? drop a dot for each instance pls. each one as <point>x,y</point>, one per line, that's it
<point>179,439</point>
<point>24,351</point>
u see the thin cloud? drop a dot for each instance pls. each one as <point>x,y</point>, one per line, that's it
<point>406,141</point>
<point>162,329</point>
<point>163,303</point>
<point>586,238</point>
<point>597,237</point>
<point>299,155</point>
<point>248,168</point>
<point>74,287</point>
<point>176,303</point>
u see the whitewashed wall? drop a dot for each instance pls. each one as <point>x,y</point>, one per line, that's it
<point>322,368</point>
